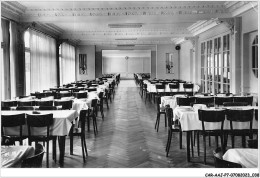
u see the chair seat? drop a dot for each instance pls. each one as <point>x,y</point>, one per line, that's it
<point>176,127</point>
<point>76,130</point>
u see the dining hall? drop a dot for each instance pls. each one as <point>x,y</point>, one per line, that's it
<point>129,84</point>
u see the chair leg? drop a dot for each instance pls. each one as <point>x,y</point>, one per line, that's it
<point>209,141</point>
<point>169,146</point>
<point>47,155</point>
<point>54,149</point>
<point>191,140</point>
<point>166,148</point>
<point>243,141</point>
<point>85,146</point>
<point>198,143</point>
<point>82,146</point>
<point>165,119</point>
<point>204,143</point>
<point>216,140</point>
<point>232,141</point>
<point>157,121</point>
<point>101,110</point>
<point>107,103</point>
<point>71,144</point>
<point>180,135</point>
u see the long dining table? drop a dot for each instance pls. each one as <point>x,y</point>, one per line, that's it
<point>189,120</point>
<point>62,122</point>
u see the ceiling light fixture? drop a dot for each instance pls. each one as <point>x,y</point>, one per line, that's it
<point>126,39</point>
<point>126,25</point>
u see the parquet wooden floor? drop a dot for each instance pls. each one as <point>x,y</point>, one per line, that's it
<point>127,138</point>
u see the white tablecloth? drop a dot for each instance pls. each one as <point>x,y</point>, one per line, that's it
<point>61,123</point>
<point>189,120</point>
<point>247,157</point>
<point>170,100</point>
<point>12,156</point>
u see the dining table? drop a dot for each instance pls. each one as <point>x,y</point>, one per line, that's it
<point>189,121</point>
<point>246,157</point>
<point>62,123</point>
<point>12,156</point>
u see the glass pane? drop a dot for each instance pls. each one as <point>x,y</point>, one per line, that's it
<point>224,43</point>
<point>228,59</point>
<point>202,61</point>
<point>219,43</point>
<point>27,73</point>
<point>219,60</point>
<point>27,39</point>
<point>228,42</point>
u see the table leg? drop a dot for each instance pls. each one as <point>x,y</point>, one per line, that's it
<point>62,149</point>
<point>188,133</point>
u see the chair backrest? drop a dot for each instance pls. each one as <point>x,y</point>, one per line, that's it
<point>36,160</point>
<point>256,114</point>
<point>247,99</point>
<point>21,108</point>
<point>8,103</point>
<point>188,86</point>
<point>169,115</point>
<point>174,85</point>
<point>212,116</point>
<point>205,100</point>
<point>66,104</point>
<point>94,103</point>
<point>13,121</point>
<point>66,94</point>
<point>243,115</point>
<point>221,100</point>
<point>220,163</point>
<point>234,104</point>
<point>47,108</point>
<point>91,89</point>
<point>80,95</point>
<point>26,103</point>
<point>187,101</point>
<point>44,103</point>
<point>82,118</point>
<point>5,108</point>
<point>42,120</point>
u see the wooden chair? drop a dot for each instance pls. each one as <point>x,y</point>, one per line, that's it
<point>187,101</point>
<point>220,163</point>
<point>188,88</point>
<point>211,116</point>
<point>25,103</point>
<point>146,93</point>
<point>106,97</point>
<point>174,88</point>
<point>234,104</point>
<point>44,103</point>
<point>92,114</point>
<point>15,120</point>
<point>66,104</point>
<point>245,115</point>
<point>173,126</point>
<point>80,131</point>
<point>21,108</point>
<point>36,160</point>
<point>207,100</point>
<point>220,100</point>
<point>43,120</point>
<point>100,104</point>
<point>159,112</point>
<point>80,95</point>
<point>47,108</point>
<point>247,99</point>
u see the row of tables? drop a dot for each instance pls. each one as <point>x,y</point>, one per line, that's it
<point>63,120</point>
<point>189,120</point>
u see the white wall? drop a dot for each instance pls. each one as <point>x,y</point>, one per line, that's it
<point>249,30</point>
<point>90,51</point>
<point>185,61</point>
<point>161,62</point>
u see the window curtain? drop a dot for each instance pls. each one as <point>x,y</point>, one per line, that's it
<point>5,62</point>
<point>13,58</point>
<point>67,63</point>
<point>43,61</point>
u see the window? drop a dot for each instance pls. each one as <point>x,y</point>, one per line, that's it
<point>27,62</point>
<point>255,56</point>
<point>215,65</point>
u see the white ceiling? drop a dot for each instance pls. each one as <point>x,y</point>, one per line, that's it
<point>86,22</point>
